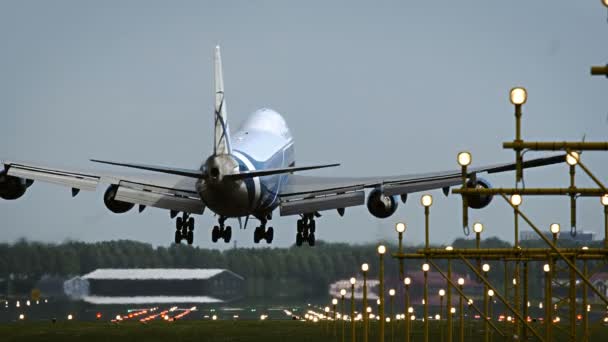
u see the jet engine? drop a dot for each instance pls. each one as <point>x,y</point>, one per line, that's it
<point>11,188</point>
<point>381,205</point>
<point>115,206</point>
<point>479,201</point>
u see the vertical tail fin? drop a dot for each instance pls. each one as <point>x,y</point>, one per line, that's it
<point>222,132</point>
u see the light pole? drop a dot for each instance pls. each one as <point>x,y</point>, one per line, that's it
<point>353,281</point>
<point>477,228</point>
<point>464,160</point>
<point>342,294</point>
<point>548,304</point>
<point>491,298</point>
<point>425,270</point>
<point>407,281</point>
<point>461,308</point>
<point>381,251</point>
<point>364,269</point>
<point>391,294</point>
<point>400,228</point>
<point>441,294</point>
<point>604,201</point>
<point>555,232</point>
<point>485,268</point>
<point>334,302</point>
<point>518,97</point>
<point>449,295</point>
<point>426,201</point>
<point>327,319</point>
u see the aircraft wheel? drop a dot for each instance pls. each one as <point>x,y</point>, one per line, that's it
<point>300,226</point>
<point>311,239</point>
<point>178,237</point>
<point>227,234</point>
<point>190,223</point>
<point>179,223</point>
<point>269,235</point>
<point>190,237</point>
<point>215,234</point>
<point>256,235</point>
<point>313,227</point>
<point>299,239</point>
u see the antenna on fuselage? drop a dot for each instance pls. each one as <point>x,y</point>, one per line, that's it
<point>221,142</point>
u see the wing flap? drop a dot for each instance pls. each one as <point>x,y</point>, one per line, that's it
<point>170,201</point>
<point>311,205</point>
<point>69,179</point>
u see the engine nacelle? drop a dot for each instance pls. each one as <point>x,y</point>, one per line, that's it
<point>11,188</point>
<point>115,206</point>
<point>381,205</point>
<point>479,201</point>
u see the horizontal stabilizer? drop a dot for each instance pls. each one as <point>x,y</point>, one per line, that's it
<point>162,169</point>
<point>269,172</point>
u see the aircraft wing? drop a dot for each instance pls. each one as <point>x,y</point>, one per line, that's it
<point>309,194</point>
<point>172,192</point>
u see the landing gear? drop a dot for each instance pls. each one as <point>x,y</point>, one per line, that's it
<point>221,232</point>
<point>306,230</point>
<point>261,233</point>
<point>184,229</point>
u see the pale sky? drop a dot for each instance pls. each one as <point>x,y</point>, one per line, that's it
<point>381,87</point>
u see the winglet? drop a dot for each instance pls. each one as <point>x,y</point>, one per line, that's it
<point>221,143</point>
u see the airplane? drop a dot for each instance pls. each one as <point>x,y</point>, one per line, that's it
<point>250,173</point>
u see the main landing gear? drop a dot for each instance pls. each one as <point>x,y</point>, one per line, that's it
<point>262,233</point>
<point>306,230</point>
<point>184,229</point>
<point>221,232</point>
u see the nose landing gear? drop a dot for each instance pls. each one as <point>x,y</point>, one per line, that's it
<point>306,230</point>
<point>221,232</point>
<point>184,229</point>
<point>261,233</point>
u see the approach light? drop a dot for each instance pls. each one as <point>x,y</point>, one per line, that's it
<point>437,317</point>
<point>426,200</point>
<point>425,267</point>
<point>453,310</point>
<point>214,317</point>
<point>449,248</point>
<point>378,301</point>
<point>400,227</point>
<point>21,317</point>
<point>334,301</point>
<point>70,317</point>
<point>118,318</point>
<point>413,317</point>
<point>464,158</point>
<point>441,293</point>
<point>364,267</point>
<point>485,268</point>
<point>381,249</point>
<point>518,95</point>
<point>584,248</point>
<point>470,302</point>
<point>407,281</point>
<point>410,309</point>
<point>554,228</point>
<point>516,199</point>
<point>514,281</point>
<point>460,281</point>
<point>327,309</point>
<point>391,292</point>
<point>343,292</point>
<point>572,158</point>
<point>478,227</point>
<point>353,280</point>
<point>491,293</point>
<point>604,199</point>
<point>546,268</point>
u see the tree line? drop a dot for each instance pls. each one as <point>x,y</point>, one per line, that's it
<point>287,272</point>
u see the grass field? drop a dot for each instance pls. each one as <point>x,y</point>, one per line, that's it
<point>193,330</point>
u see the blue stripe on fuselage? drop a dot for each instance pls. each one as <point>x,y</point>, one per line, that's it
<point>270,186</point>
